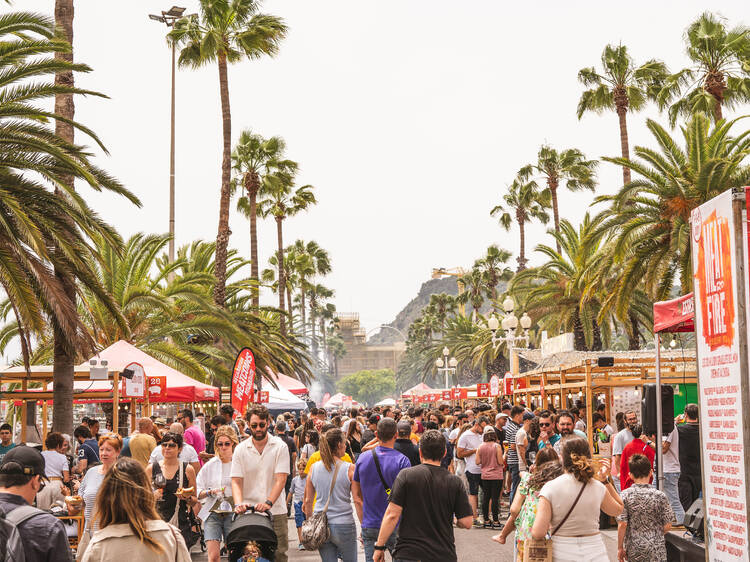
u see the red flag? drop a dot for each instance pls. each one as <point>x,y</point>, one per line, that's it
<point>243,379</point>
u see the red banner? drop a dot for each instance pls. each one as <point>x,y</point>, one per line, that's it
<point>446,395</point>
<point>243,379</point>
<point>264,397</point>
<point>483,389</point>
<point>157,388</point>
<point>459,393</point>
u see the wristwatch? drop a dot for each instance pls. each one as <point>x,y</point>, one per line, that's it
<point>269,503</point>
<point>376,547</point>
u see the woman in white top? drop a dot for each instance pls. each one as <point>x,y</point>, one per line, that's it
<point>343,541</point>
<point>569,506</point>
<point>57,471</point>
<point>214,484</point>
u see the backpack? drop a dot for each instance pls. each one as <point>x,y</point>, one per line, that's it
<point>11,545</point>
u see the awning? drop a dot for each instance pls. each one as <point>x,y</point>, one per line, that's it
<point>420,388</point>
<point>675,315</point>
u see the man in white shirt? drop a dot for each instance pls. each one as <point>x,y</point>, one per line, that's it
<point>622,439</point>
<point>468,444</point>
<point>259,469</point>
<point>671,467</point>
<point>522,440</point>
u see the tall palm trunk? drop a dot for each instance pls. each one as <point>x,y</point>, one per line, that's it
<point>715,85</point>
<point>621,106</point>
<point>222,236</point>
<point>288,292</point>
<point>282,276</point>
<point>596,344</point>
<point>579,337</point>
<point>302,296</point>
<point>252,184</point>
<point>64,354</point>
<point>552,183</point>
<point>633,334</point>
<point>522,238</point>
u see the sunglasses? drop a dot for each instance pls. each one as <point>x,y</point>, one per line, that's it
<point>168,445</point>
<point>544,424</point>
<point>224,444</point>
<point>261,425</point>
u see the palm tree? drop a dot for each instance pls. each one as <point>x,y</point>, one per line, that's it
<point>650,216</point>
<point>494,270</point>
<point>474,290</point>
<point>569,166</point>
<point>309,260</point>
<point>226,32</point>
<point>524,202</point>
<point>443,305</point>
<point>281,201</point>
<point>620,87</point>
<point>318,295</point>
<point>252,159</point>
<point>719,75</point>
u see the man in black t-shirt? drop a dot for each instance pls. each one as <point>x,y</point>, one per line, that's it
<point>404,444</point>
<point>425,498</point>
<point>689,484</point>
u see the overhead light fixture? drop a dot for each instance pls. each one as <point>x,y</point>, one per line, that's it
<point>98,370</point>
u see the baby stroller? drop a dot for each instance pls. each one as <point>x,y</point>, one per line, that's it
<point>252,526</point>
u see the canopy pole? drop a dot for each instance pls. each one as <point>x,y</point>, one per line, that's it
<point>24,387</point>
<point>658,445</point>
<point>132,415</point>
<point>116,402</point>
<point>589,428</point>
<point>44,414</point>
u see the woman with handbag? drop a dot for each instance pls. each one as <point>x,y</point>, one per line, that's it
<point>569,505</point>
<point>129,527</point>
<point>174,482</point>
<point>330,525</point>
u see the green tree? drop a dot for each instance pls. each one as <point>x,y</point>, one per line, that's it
<point>569,166</point>
<point>523,202</point>
<point>494,270</point>
<point>719,74</point>
<point>621,86</point>
<point>253,158</point>
<point>474,283</point>
<point>226,32</point>
<point>367,387</point>
<point>442,305</point>
<point>308,261</point>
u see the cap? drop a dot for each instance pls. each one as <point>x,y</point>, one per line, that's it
<point>488,429</point>
<point>374,418</point>
<point>501,415</point>
<point>160,421</point>
<point>23,460</point>
<point>528,416</point>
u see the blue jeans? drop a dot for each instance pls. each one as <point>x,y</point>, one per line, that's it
<point>515,476</point>
<point>342,544</point>
<point>673,495</point>
<point>370,537</point>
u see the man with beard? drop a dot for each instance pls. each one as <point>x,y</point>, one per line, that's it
<point>565,428</point>
<point>618,445</point>
<point>259,470</point>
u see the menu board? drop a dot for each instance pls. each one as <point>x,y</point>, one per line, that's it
<point>719,373</point>
<point>624,399</point>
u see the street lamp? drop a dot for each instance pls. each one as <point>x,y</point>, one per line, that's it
<point>510,324</point>
<point>446,365</point>
<point>169,18</point>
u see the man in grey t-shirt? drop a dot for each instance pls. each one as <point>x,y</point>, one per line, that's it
<point>621,439</point>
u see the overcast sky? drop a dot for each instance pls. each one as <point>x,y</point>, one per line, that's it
<point>410,118</point>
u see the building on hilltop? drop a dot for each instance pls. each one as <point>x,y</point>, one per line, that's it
<point>359,354</point>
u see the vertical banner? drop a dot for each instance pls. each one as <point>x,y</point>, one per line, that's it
<point>714,246</point>
<point>134,387</point>
<point>243,379</point>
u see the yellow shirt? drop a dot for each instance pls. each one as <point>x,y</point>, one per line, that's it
<point>315,457</point>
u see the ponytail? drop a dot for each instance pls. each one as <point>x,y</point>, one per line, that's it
<point>577,458</point>
<point>330,442</point>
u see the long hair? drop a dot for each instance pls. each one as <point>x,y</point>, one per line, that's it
<point>125,496</point>
<point>328,445</point>
<point>546,467</point>
<point>353,429</point>
<point>576,456</point>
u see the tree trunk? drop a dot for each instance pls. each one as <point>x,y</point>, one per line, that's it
<point>596,345</point>
<point>624,146</point>
<point>522,252</point>
<point>552,183</point>
<point>252,182</point>
<point>579,338</point>
<point>282,278</point>
<point>222,236</point>
<point>289,308</point>
<point>302,297</point>
<point>64,355</point>
<point>633,333</point>
<point>715,85</point>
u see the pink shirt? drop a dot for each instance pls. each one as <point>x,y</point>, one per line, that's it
<point>194,436</point>
<point>487,456</point>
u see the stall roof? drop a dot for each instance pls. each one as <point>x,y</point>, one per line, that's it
<point>289,383</point>
<point>676,315</point>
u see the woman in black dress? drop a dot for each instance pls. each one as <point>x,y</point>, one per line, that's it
<point>173,495</point>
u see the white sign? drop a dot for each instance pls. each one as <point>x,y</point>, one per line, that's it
<point>494,385</point>
<point>558,344</point>
<point>134,388</point>
<point>719,374</point>
<point>625,399</point>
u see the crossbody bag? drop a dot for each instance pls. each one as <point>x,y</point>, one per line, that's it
<point>380,473</point>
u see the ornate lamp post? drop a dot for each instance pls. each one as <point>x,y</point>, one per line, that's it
<point>510,324</point>
<point>447,365</point>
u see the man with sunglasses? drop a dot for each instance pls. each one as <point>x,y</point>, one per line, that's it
<point>42,534</point>
<point>259,470</point>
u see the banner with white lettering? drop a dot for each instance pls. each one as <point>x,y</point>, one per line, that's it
<point>717,334</point>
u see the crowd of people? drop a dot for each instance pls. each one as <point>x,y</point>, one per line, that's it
<point>409,476</point>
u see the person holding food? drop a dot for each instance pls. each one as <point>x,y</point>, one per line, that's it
<point>174,483</point>
<point>214,484</point>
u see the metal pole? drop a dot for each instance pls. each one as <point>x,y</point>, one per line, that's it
<point>445,358</point>
<point>171,164</point>
<point>659,456</point>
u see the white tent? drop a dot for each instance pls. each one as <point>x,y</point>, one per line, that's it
<point>386,402</point>
<point>282,399</point>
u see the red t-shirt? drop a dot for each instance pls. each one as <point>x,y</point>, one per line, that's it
<point>635,447</point>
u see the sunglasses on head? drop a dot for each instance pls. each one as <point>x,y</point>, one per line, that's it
<point>261,425</point>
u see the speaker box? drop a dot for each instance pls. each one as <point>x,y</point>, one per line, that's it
<point>605,362</point>
<point>694,518</point>
<point>648,409</point>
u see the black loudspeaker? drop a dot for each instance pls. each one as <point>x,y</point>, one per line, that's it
<point>694,518</point>
<point>127,373</point>
<point>648,409</point>
<point>605,362</point>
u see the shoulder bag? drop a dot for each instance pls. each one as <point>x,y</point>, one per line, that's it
<point>540,550</point>
<point>315,531</point>
<point>380,473</point>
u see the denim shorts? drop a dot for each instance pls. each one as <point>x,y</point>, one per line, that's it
<point>299,515</point>
<point>474,482</point>
<point>216,526</point>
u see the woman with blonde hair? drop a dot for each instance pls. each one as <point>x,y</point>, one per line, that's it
<point>129,527</point>
<point>331,481</point>
<point>569,505</point>
<point>214,484</point>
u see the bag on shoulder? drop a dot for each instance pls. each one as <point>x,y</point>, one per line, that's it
<point>11,546</point>
<point>315,531</point>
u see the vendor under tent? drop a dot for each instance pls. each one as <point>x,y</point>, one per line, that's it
<point>179,387</point>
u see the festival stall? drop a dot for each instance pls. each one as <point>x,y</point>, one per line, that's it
<point>288,383</point>
<point>340,400</point>
<point>386,402</point>
<point>281,400</point>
